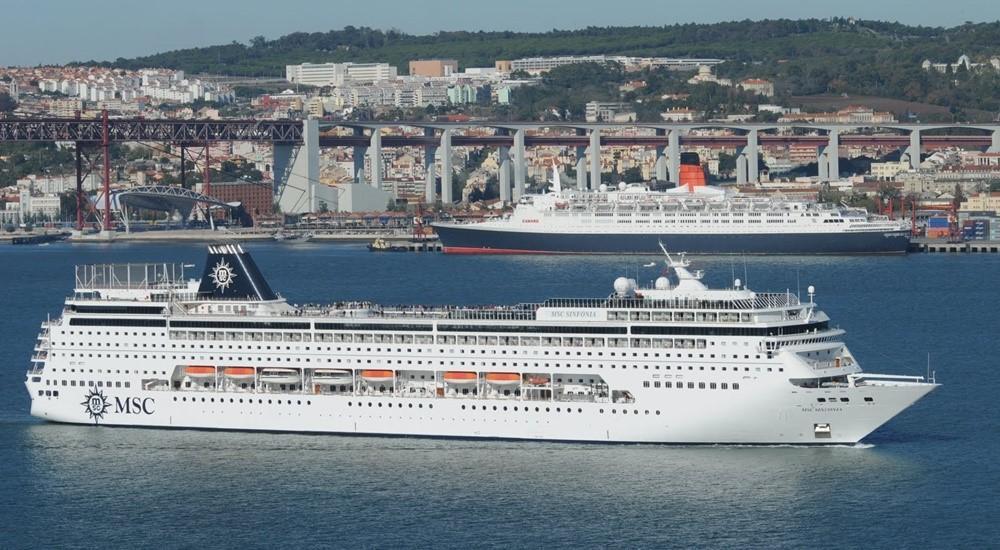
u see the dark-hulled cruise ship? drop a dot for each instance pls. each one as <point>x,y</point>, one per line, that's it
<point>632,219</point>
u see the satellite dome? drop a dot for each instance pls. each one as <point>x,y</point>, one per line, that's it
<point>811,289</point>
<point>603,188</point>
<point>621,186</point>
<point>737,283</point>
<point>662,283</point>
<point>622,285</point>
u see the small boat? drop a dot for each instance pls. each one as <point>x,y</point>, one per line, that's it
<point>292,237</point>
<point>459,377</point>
<point>197,371</point>
<point>382,245</point>
<point>241,373</point>
<point>650,264</point>
<point>503,378</point>
<point>376,375</point>
<point>538,380</point>
<point>332,377</point>
<point>280,376</point>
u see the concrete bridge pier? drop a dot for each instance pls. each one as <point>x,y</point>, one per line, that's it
<point>520,164</point>
<point>823,165</point>
<point>674,155</point>
<point>446,173</point>
<point>504,167</point>
<point>914,150</point>
<point>359,157</point>
<point>429,167</point>
<point>748,161</point>
<point>660,166</point>
<point>595,158</point>
<point>828,160</point>
<point>375,157</point>
<point>581,163</point>
<point>295,170</point>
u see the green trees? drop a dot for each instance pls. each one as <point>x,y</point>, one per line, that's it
<point>804,57</point>
<point>7,103</point>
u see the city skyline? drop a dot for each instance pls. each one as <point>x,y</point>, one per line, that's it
<point>123,31</point>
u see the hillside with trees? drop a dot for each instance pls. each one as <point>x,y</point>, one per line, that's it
<point>803,57</point>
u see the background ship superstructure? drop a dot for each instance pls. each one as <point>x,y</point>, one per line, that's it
<point>631,218</point>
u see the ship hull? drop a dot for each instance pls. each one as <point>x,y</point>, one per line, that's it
<point>768,416</point>
<point>475,239</point>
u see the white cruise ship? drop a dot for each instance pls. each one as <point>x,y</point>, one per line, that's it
<point>140,345</point>
<point>632,219</point>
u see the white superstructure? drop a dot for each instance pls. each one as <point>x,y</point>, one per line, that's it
<point>634,208</point>
<point>631,218</point>
<point>140,345</point>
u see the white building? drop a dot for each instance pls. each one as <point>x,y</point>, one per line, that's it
<point>40,206</point>
<point>337,74</point>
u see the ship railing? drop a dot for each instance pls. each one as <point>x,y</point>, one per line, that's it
<point>129,276</point>
<point>760,301</point>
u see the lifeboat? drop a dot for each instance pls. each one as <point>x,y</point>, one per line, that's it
<point>459,377</point>
<point>238,372</point>
<point>332,377</point>
<point>196,371</point>
<point>280,376</point>
<point>538,380</point>
<point>503,378</point>
<point>376,375</point>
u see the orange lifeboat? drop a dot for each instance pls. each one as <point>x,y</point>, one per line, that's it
<point>503,378</point>
<point>198,371</point>
<point>538,380</point>
<point>239,372</point>
<point>376,375</point>
<point>459,377</point>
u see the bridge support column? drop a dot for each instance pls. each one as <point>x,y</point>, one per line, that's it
<point>505,173</point>
<point>106,153</point>
<point>828,161</point>
<point>595,158</point>
<point>446,175</point>
<point>674,156</point>
<point>296,171</point>
<point>822,165</point>
<point>359,157</point>
<point>430,179</point>
<point>79,185</point>
<point>914,149</point>
<point>750,161</point>
<point>520,164</point>
<point>995,144</point>
<point>660,165</point>
<point>581,163</point>
<point>375,157</point>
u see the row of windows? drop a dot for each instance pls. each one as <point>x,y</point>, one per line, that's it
<point>842,400</point>
<point>103,322</point>
<point>91,383</point>
<point>691,385</point>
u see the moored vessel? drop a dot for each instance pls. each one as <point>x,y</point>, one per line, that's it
<point>633,219</point>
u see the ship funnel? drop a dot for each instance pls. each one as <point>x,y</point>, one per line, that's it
<point>231,274</point>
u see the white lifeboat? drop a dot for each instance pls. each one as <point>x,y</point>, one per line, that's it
<point>332,377</point>
<point>280,376</point>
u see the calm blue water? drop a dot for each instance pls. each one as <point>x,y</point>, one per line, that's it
<point>928,479</point>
